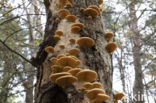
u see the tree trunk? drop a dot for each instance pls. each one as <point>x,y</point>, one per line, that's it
<point>136,48</point>
<point>95,58</point>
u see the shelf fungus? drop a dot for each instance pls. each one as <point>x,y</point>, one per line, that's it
<point>100,98</point>
<point>74,71</point>
<point>75,29</point>
<point>57,20</point>
<point>61,46</point>
<point>95,8</point>
<point>85,42</point>
<point>56,38</point>
<point>109,36</point>
<point>72,40</point>
<point>54,76</point>
<point>78,24</point>
<point>63,13</point>
<point>119,96</point>
<point>67,68</point>
<point>49,49</point>
<point>53,60</point>
<point>59,32</point>
<point>92,94</point>
<point>91,12</point>
<point>111,47</point>
<point>74,51</point>
<point>61,3</point>
<point>100,2</point>
<point>66,80</point>
<point>57,68</point>
<point>71,18</point>
<point>86,75</point>
<point>68,4</point>
<point>68,61</point>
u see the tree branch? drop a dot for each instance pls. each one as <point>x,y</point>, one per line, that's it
<point>15,52</point>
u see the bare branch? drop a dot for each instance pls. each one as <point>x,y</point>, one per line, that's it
<point>15,52</point>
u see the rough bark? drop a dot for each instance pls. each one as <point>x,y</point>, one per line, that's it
<point>136,48</point>
<point>95,58</point>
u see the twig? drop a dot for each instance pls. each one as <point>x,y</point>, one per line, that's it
<point>15,52</point>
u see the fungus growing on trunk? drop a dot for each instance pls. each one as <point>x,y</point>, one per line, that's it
<point>56,38</point>
<point>75,29</point>
<point>95,8</point>
<point>53,77</point>
<point>59,32</point>
<point>61,46</point>
<point>109,36</point>
<point>86,75</point>
<point>57,20</point>
<point>57,68</point>
<point>85,42</point>
<point>111,47</point>
<point>66,80</point>
<point>74,51</point>
<point>119,96</point>
<point>71,18</point>
<point>63,13</point>
<point>74,71</point>
<point>72,40</point>
<point>91,12</point>
<point>49,49</point>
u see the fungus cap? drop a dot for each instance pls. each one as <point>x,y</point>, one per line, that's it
<point>97,85</point>
<point>57,68</point>
<point>72,40</point>
<point>74,71</point>
<point>91,12</point>
<point>67,68</point>
<point>79,25</point>
<point>71,18</point>
<point>85,42</point>
<point>59,32</point>
<point>119,96</point>
<point>75,29</point>
<point>62,46</point>
<point>101,97</point>
<point>56,37</point>
<point>49,49</point>
<point>109,36</point>
<point>69,5</point>
<point>74,51</point>
<point>63,13</point>
<point>65,80</point>
<point>111,47</point>
<point>60,55</point>
<point>68,61</point>
<point>88,85</point>
<point>95,8</point>
<point>53,60</point>
<point>91,94</point>
<point>57,20</point>
<point>87,75</point>
<point>53,77</point>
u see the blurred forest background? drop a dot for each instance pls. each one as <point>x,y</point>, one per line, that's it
<point>22,25</point>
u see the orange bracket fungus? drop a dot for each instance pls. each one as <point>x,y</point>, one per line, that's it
<point>79,25</point>
<point>119,96</point>
<point>57,68</point>
<point>68,4</point>
<point>74,71</point>
<point>57,20</point>
<point>109,36</point>
<point>95,8</point>
<point>75,29</point>
<point>74,51</point>
<point>86,75</point>
<point>66,80</point>
<point>91,12</point>
<point>63,13</point>
<point>62,46</point>
<point>53,77</point>
<point>85,42</point>
<point>71,18</point>
<point>111,47</point>
<point>56,38</point>
<point>49,49</point>
<point>72,40</point>
<point>67,68</point>
<point>59,32</point>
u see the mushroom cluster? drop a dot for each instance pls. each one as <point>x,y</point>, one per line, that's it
<point>92,11</point>
<point>66,67</point>
<point>110,46</point>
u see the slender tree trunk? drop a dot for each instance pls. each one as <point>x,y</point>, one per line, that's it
<point>95,58</point>
<point>138,84</point>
